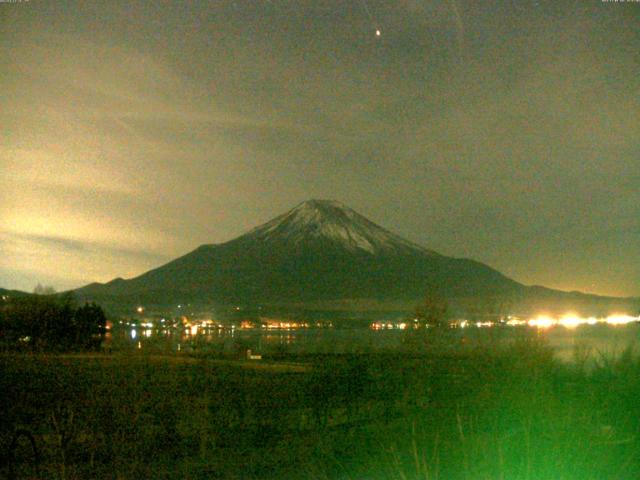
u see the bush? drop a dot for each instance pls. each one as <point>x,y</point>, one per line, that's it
<point>45,323</point>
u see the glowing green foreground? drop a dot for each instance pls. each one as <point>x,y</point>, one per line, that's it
<point>509,414</point>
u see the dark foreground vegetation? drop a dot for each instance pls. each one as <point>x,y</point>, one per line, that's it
<point>38,323</point>
<point>507,413</point>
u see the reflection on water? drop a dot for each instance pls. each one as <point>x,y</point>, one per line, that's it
<point>567,335</point>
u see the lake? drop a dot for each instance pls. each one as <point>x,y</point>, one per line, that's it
<point>570,341</point>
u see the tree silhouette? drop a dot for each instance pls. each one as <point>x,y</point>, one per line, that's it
<point>41,322</point>
<point>433,312</point>
<point>90,326</point>
<point>44,289</point>
<point>429,323</point>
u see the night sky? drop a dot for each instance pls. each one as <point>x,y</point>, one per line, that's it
<point>504,131</point>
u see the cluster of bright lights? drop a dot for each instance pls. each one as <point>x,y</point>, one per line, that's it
<point>484,324</point>
<point>572,321</point>
<point>621,319</point>
<point>389,326</point>
<point>541,321</point>
<point>467,324</point>
<point>193,327</point>
<point>381,325</point>
<point>569,321</point>
<point>277,325</point>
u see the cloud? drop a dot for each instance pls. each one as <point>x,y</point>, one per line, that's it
<point>149,130</point>
<point>70,263</point>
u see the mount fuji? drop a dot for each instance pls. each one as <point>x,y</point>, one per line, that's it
<point>324,255</point>
<point>320,250</point>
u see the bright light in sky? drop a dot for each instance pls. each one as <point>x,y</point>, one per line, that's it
<point>110,123</point>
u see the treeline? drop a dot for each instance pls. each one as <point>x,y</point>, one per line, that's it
<point>50,323</point>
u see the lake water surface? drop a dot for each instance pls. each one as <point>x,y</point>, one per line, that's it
<point>593,341</point>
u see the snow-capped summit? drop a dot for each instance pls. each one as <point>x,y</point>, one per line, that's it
<point>320,250</point>
<point>335,222</point>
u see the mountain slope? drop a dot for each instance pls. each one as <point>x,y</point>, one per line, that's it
<point>320,250</point>
<point>6,294</point>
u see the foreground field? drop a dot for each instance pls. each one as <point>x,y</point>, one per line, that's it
<point>510,413</point>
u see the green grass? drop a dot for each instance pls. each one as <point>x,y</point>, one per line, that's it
<point>509,413</point>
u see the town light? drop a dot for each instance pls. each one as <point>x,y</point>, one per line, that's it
<point>542,321</point>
